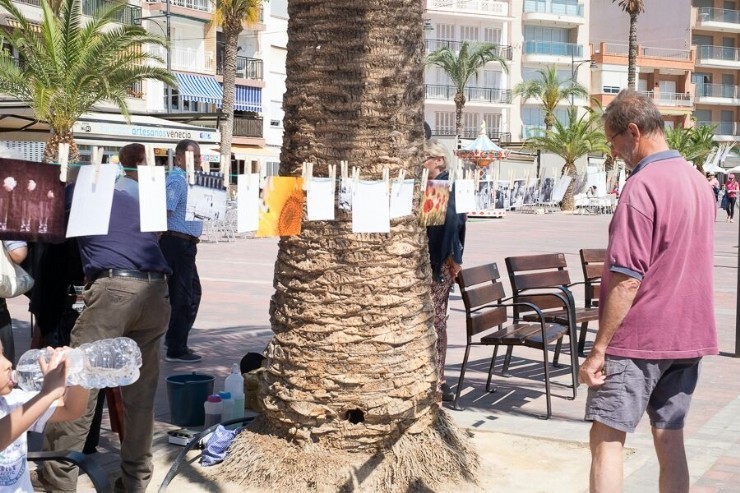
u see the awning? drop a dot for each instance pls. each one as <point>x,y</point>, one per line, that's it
<point>201,88</point>
<point>248,99</point>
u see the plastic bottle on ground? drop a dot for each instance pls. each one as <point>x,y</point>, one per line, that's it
<point>214,409</point>
<point>95,365</point>
<point>234,384</point>
<point>228,406</point>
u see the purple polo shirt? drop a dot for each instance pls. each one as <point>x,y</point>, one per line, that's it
<point>662,233</point>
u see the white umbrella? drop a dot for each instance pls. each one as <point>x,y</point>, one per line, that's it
<point>736,169</point>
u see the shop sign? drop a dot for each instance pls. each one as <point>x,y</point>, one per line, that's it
<point>144,132</point>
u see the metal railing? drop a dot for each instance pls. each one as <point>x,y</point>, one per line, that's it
<point>201,5</point>
<point>190,59</point>
<point>36,3</point>
<point>722,128</point>
<point>669,98</point>
<point>126,16</point>
<point>246,68</point>
<point>472,133</point>
<point>620,49</point>
<point>472,94</point>
<point>707,52</point>
<point>529,131</point>
<point>504,51</point>
<point>247,127</point>
<point>709,14</point>
<point>552,48</point>
<point>486,6</point>
<point>717,91</point>
<point>553,7</point>
<point>135,90</point>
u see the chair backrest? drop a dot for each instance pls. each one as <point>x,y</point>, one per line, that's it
<point>481,286</point>
<point>592,262</point>
<point>537,272</point>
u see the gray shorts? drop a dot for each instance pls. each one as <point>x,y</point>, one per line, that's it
<point>662,387</point>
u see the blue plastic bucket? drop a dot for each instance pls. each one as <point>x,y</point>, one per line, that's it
<point>186,395</point>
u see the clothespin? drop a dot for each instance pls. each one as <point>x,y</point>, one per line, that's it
<point>190,167</point>
<point>386,179</point>
<point>96,158</point>
<point>424,179</point>
<point>226,167</point>
<point>333,177</point>
<point>355,177</point>
<point>149,155</point>
<point>63,151</point>
<point>307,174</point>
<point>401,177</point>
<point>343,169</point>
<point>205,166</point>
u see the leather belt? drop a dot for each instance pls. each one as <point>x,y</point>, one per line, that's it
<point>134,274</point>
<point>182,236</point>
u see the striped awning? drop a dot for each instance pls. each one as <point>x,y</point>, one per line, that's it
<point>248,99</point>
<point>201,88</point>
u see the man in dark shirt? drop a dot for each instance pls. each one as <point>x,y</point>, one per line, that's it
<point>126,295</point>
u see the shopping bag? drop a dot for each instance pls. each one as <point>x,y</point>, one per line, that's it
<point>14,281</point>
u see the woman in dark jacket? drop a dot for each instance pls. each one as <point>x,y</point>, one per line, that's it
<point>445,254</point>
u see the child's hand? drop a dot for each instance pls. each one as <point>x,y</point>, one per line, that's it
<point>55,373</point>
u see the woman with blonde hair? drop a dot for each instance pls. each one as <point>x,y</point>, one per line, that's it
<point>445,255</point>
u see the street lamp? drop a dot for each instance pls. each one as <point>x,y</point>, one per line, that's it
<point>574,66</point>
<point>168,35</point>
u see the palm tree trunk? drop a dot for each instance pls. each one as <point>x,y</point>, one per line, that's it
<point>350,371</point>
<point>568,203</point>
<point>459,105</point>
<point>51,149</point>
<point>231,40</point>
<point>632,57</point>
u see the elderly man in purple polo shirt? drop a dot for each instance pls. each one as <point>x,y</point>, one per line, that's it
<point>657,300</point>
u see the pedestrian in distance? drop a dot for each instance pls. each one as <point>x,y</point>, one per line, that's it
<point>731,188</point>
<point>656,318</point>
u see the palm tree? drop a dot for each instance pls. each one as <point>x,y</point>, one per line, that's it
<point>232,15</point>
<point>71,65</point>
<point>582,136</point>
<point>349,381</point>
<point>551,91</point>
<point>633,8</point>
<point>693,143</point>
<point>461,66</point>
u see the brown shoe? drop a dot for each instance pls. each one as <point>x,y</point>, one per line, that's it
<point>40,484</point>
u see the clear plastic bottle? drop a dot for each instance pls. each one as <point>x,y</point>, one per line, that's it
<point>95,365</point>
<point>234,384</point>
<point>227,403</point>
<point>214,410</point>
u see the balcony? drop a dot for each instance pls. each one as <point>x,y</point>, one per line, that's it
<point>186,59</point>
<point>722,20</point>
<point>551,48</point>
<point>504,51</point>
<point>130,14</point>
<point>199,5</point>
<point>720,94</point>
<point>718,57</point>
<point>247,127</point>
<point>246,68</point>
<point>472,133</point>
<point>647,57</point>
<point>529,131</point>
<point>472,94</point>
<point>485,7</point>
<point>554,13</point>
<point>661,98</point>
<point>135,90</point>
<point>723,130</point>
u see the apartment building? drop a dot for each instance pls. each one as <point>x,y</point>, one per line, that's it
<point>688,59</point>
<point>532,34</point>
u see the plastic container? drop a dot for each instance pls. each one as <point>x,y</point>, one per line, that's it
<point>213,407</point>
<point>186,394</point>
<point>96,365</point>
<point>234,384</point>
<point>228,406</point>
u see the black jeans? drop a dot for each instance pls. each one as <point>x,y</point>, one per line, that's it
<point>731,207</point>
<point>185,292</point>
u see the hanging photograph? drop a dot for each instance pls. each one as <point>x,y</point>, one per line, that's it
<point>207,198</point>
<point>485,196</point>
<point>434,203</point>
<point>546,191</point>
<point>531,191</point>
<point>281,207</point>
<point>502,194</point>
<point>31,201</point>
<point>516,199</point>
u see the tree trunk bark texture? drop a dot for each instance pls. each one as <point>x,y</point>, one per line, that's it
<point>231,40</point>
<point>459,105</point>
<point>51,149</point>
<point>632,56</point>
<point>350,376</point>
<point>568,203</point>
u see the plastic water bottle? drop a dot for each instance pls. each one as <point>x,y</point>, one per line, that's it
<point>214,409</point>
<point>95,365</point>
<point>234,384</point>
<point>228,406</point>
